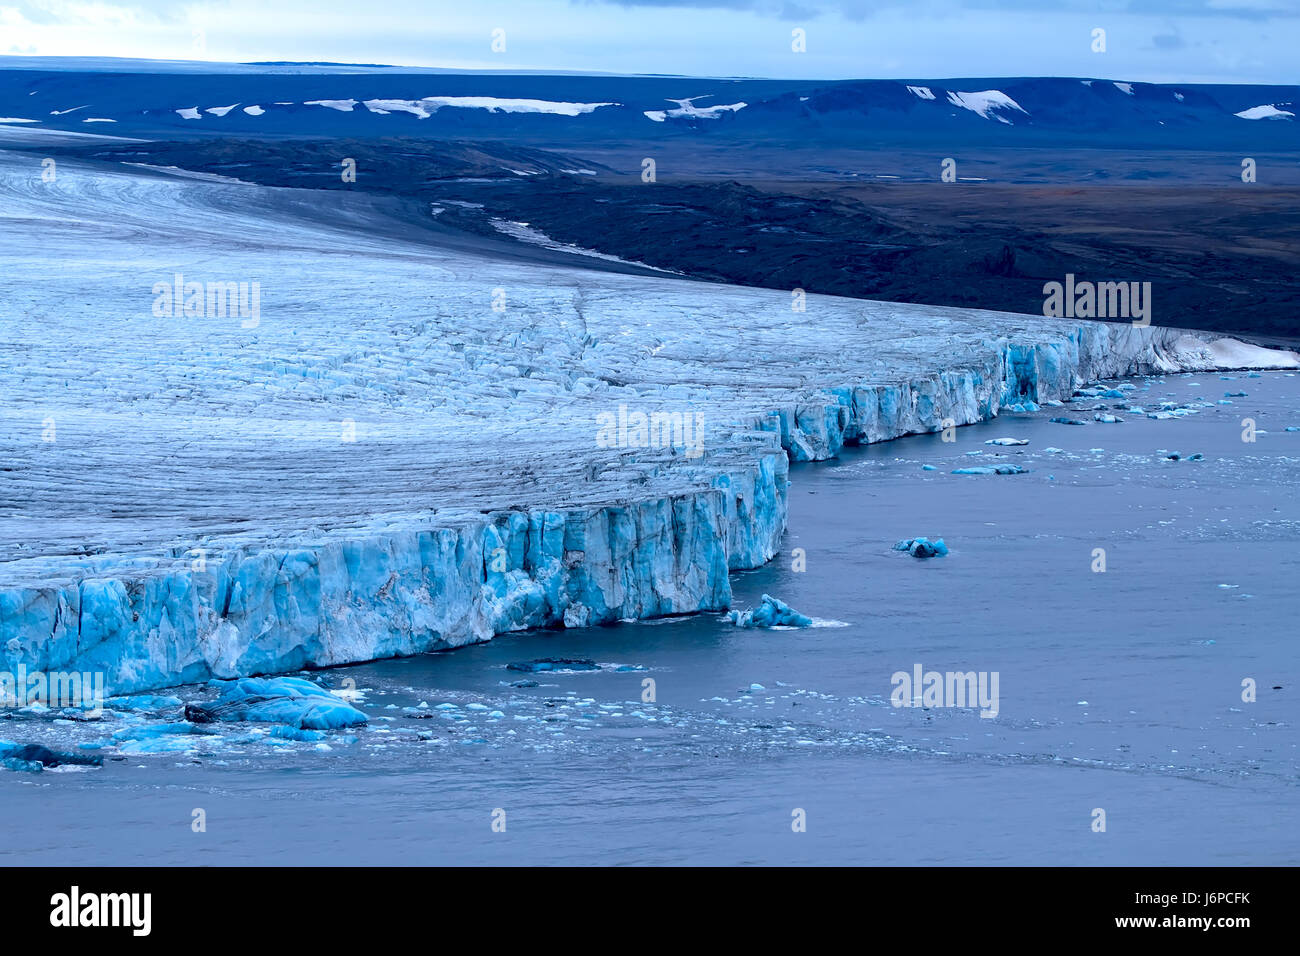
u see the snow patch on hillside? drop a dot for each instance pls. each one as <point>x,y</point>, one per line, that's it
<point>427,106</point>
<point>343,106</point>
<point>1267,111</point>
<point>686,109</point>
<point>985,102</point>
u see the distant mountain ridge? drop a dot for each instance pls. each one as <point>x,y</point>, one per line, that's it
<point>181,100</point>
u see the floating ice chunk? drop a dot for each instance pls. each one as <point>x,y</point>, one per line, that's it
<point>771,612</point>
<point>35,757</point>
<point>991,470</point>
<point>932,468</point>
<point>295,733</point>
<point>1066,421</point>
<point>1107,419</point>
<point>1007,441</point>
<point>1053,450</point>
<point>549,664</point>
<point>1021,408</point>
<point>254,110</point>
<point>1234,394</point>
<point>277,700</point>
<point>191,112</point>
<point>154,731</point>
<point>1292,428</point>
<point>922,547</point>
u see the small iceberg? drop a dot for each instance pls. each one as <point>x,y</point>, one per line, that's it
<point>1066,421</point>
<point>923,547</point>
<point>992,470</point>
<point>771,612</point>
<point>277,700</point>
<point>1007,441</point>
<point>35,757</point>
<point>548,664</point>
<point>1107,419</point>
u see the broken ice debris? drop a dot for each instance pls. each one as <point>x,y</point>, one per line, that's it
<point>149,702</point>
<point>1107,419</point>
<point>771,612</point>
<point>1066,421</point>
<point>1175,456</point>
<point>277,700</point>
<point>992,470</point>
<point>1007,441</point>
<point>922,547</point>
<point>546,664</point>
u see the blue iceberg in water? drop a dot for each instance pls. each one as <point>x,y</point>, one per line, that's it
<point>35,757</point>
<point>1061,420</point>
<point>547,664</point>
<point>771,612</point>
<point>277,700</point>
<point>992,470</point>
<point>923,547</point>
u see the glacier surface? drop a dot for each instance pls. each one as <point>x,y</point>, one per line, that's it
<point>408,447</point>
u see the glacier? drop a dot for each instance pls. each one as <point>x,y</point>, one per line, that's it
<point>400,453</point>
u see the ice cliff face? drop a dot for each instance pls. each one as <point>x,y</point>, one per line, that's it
<point>386,464</point>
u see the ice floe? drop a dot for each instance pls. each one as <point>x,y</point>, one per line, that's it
<point>771,612</point>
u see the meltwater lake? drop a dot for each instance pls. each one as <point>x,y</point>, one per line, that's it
<point>1119,691</point>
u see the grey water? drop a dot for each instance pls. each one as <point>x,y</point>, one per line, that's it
<point>1120,691</point>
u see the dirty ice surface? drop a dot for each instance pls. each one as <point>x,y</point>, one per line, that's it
<point>1119,690</point>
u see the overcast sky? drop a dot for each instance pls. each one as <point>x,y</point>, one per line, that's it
<point>1255,41</point>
